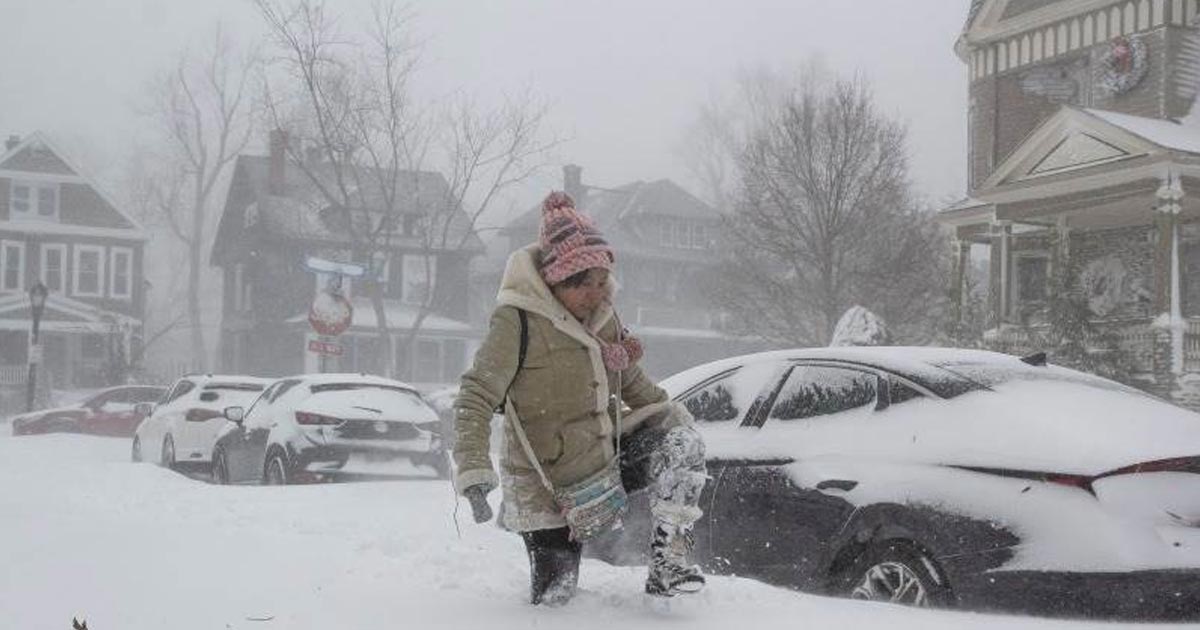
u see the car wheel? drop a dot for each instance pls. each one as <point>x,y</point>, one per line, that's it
<point>168,453</point>
<point>900,573</point>
<point>276,472</point>
<point>220,468</point>
<point>136,452</point>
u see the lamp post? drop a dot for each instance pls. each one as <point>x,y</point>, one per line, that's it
<point>37,304</point>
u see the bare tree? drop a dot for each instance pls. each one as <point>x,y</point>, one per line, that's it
<point>368,148</point>
<point>202,112</point>
<point>824,217</point>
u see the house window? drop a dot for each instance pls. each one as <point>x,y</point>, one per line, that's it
<point>89,270</point>
<point>54,266</point>
<point>1031,276</point>
<point>454,353</point>
<point>699,236</point>
<point>419,273</point>
<point>12,265</point>
<point>380,261</point>
<point>33,201</point>
<point>665,233</point>
<point>241,288</point>
<point>120,282</point>
<point>429,361</point>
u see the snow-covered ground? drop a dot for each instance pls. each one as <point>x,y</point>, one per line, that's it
<point>86,534</point>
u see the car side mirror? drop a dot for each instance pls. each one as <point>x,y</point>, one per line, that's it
<point>235,414</point>
<point>144,409</point>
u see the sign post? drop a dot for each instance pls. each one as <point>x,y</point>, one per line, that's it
<point>331,313</point>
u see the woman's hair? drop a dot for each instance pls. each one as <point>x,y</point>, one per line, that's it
<point>575,280</point>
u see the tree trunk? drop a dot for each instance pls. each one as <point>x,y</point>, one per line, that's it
<point>195,257</point>
<point>388,367</point>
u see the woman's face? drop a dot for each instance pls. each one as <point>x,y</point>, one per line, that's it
<point>583,300</point>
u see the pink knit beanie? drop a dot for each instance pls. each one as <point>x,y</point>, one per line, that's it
<point>570,241</point>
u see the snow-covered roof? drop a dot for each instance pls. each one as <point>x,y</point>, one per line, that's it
<point>399,317</point>
<point>1165,133</point>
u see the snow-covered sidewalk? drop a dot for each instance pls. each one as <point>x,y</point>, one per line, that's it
<point>86,534</point>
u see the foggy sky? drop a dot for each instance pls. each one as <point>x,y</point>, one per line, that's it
<point>623,78</point>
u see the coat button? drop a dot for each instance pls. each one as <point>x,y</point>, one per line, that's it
<point>595,384</point>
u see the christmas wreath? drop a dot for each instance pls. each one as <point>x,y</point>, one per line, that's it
<point>1123,65</point>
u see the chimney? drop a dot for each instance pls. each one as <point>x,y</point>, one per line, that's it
<point>12,142</point>
<point>573,183</point>
<point>277,173</point>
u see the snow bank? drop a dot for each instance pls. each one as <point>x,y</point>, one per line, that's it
<point>84,533</point>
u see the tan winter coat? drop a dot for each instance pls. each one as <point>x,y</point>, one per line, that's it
<point>561,395</point>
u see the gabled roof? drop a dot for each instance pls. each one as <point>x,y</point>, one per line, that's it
<point>990,19</point>
<point>614,210</point>
<point>38,154</point>
<point>1076,139</point>
<point>303,213</point>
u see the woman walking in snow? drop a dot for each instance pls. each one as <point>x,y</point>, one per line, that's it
<point>557,360</point>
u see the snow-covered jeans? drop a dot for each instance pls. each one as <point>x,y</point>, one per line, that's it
<point>669,462</point>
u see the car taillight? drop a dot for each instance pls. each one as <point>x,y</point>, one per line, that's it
<point>1072,481</point>
<point>316,419</point>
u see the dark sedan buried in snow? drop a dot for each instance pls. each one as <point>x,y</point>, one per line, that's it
<point>943,477</point>
<point>328,426</point>
<point>110,412</point>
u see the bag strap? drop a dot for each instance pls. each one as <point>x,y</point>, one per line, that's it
<point>520,357</point>
<point>524,439</point>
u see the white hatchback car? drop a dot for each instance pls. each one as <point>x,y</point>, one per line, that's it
<point>184,425</point>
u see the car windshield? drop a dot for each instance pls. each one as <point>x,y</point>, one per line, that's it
<point>377,399</point>
<point>992,375</point>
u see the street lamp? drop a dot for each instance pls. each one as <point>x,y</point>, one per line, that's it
<point>37,304</point>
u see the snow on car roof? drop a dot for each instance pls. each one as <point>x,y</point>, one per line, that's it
<point>903,359</point>
<point>350,377</point>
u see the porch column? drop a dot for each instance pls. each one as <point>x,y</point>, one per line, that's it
<point>1060,257</point>
<point>958,292</point>
<point>1001,270</point>
<point>1168,299</point>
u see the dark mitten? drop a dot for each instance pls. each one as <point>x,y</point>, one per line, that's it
<point>477,495</point>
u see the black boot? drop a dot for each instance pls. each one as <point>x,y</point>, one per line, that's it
<point>553,565</point>
<point>670,573</point>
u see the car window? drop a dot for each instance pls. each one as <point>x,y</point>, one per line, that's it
<point>817,390</point>
<point>181,388</point>
<point>281,388</point>
<point>899,392</point>
<point>731,395</point>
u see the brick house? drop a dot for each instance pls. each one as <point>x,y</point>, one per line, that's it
<point>1084,166</point>
<point>58,227</point>
<point>664,238</point>
<point>273,219</point>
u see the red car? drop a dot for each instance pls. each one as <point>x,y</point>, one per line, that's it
<point>108,412</point>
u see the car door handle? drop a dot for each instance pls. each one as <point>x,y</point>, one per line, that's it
<point>837,484</point>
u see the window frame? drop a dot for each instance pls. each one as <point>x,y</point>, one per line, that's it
<point>21,266</point>
<point>113,252</point>
<point>79,251</point>
<point>33,211</point>
<point>1023,256</point>
<point>406,274</point>
<point>43,274</point>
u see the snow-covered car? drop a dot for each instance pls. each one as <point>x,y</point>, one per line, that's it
<point>325,426</point>
<point>943,477</point>
<point>181,430</point>
<point>110,412</point>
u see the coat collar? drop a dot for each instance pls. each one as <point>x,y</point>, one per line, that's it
<point>523,287</point>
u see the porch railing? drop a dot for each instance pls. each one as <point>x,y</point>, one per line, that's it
<point>14,374</point>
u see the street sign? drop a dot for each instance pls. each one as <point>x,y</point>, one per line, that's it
<point>324,347</point>
<point>330,314</point>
